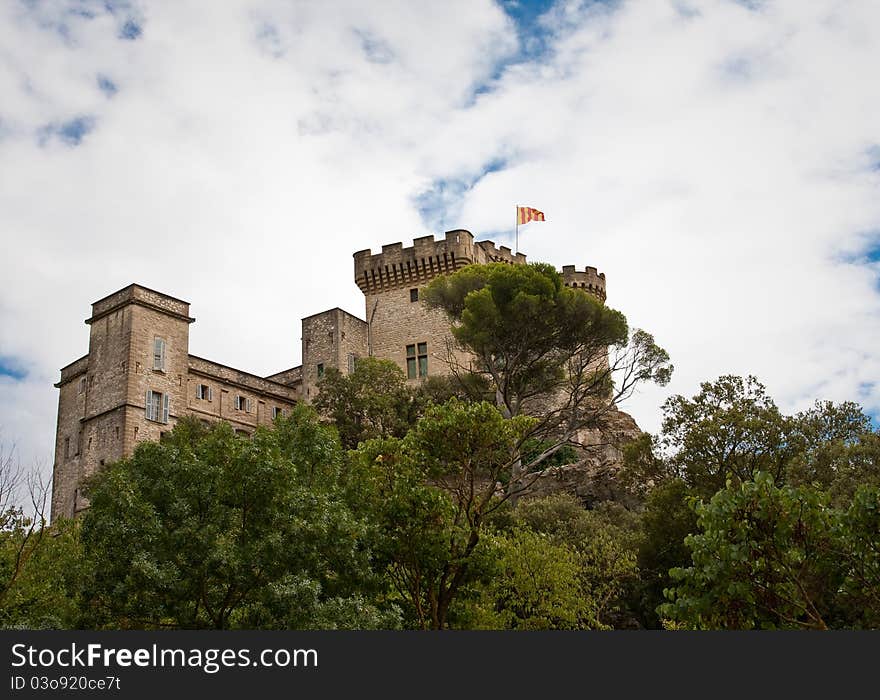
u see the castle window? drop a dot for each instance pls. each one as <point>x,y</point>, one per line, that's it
<point>82,384</point>
<point>417,360</point>
<point>157,406</point>
<point>204,392</point>
<point>414,294</point>
<point>352,362</point>
<point>67,448</point>
<point>159,354</point>
<point>277,411</point>
<point>242,403</point>
<point>320,370</point>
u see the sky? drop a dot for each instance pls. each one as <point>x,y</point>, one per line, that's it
<point>718,160</point>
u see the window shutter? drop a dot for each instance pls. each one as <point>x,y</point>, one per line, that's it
<point>147,402</point>
<point>165,403</point>
<point>250,406</point>
<point>162,355</point>
<point>210,394</point>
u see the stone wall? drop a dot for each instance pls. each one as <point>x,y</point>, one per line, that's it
<point>102,413</point>
<point>290,377</point>
<point>259,395</point>
<point>590,280</point>
<point>334,338</point>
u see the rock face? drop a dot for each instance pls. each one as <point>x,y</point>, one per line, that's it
<point>594,477</point>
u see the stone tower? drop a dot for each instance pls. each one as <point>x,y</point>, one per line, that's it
<point>399,327</point>
<point>137,363</point>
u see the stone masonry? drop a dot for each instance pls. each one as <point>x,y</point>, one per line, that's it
<point>138,376</point>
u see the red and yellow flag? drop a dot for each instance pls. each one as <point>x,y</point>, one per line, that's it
<point>526,214</point>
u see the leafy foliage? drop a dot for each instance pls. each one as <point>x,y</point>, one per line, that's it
<point>371,402</point>
<point>780,557</point>
<point>431,494</point>
<point>206,529</point>
<point>602,545</point>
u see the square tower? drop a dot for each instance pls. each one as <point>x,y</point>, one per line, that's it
<point>130,387</point>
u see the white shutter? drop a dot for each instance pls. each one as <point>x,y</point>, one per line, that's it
<point>162,354</point>
<point>147,402</point>
<point>250,406</point>
<point>210,394</point>
<point>165,409</point>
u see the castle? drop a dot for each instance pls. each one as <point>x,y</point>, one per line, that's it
<point>139,377</point>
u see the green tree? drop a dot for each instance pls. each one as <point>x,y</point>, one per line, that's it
<point>857,558</point>
<point>837,449</point>
<point>603,542</point>
<point>730,430</point>
<point>432,494</point>
<point>666,520</point>
<point>546,349</point>
<point>371,402</point>
<point>209,530</point>
<point>38,563</point>
<point>763,559</point>
<point>534,585</point>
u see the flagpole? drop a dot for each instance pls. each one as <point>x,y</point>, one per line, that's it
<point>516,225</point>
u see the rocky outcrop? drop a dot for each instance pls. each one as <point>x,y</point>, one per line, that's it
<point>594,477</point>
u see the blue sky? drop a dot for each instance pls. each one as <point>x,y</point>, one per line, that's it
<point>718,160</point>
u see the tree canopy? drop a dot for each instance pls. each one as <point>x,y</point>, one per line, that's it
<point>547,350</point>
<point>211,530</point>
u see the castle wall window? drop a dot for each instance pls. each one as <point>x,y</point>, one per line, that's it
<point>277,411</point>
<point>67,448</point>
<point>417,360</point>
<point>204,392</point>
<point>157,406</point>
<point>242,403</point>
<point>159,354</point>
<point>320,370</point>
<point>82,385</point>
<point>414,294</point>
<point>352,362</point>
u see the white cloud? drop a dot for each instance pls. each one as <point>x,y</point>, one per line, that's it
<point>717,162</point>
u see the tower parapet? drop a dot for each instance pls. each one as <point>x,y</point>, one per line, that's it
<point>502,254</point>
<point>397,267</point>
<point>590,280</point>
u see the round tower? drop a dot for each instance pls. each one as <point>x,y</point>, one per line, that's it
<point>590,280</point>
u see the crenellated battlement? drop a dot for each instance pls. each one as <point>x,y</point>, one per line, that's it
<point>590,280</point>
<point>397,266</point>
<point>502,254</point>
<point>428,257</point>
